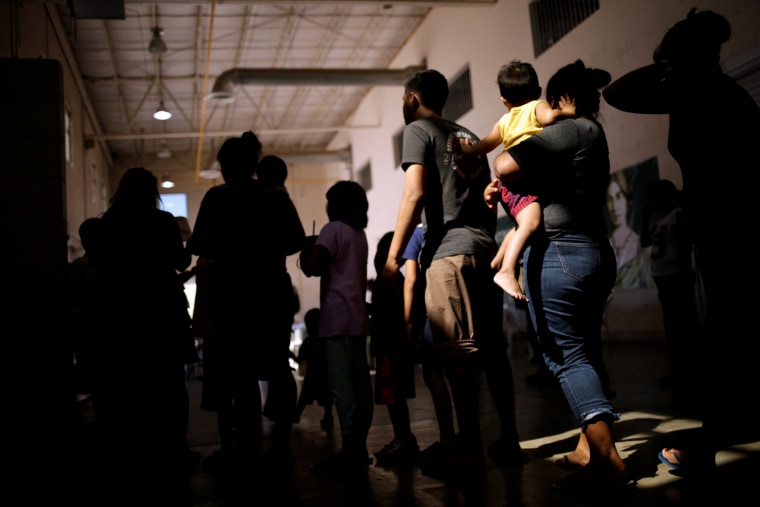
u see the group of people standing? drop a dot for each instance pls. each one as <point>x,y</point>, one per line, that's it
<point>245,231</point>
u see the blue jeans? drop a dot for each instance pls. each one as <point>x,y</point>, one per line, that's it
<point>568,282</point>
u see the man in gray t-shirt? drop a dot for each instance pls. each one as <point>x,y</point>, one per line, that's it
<point>463,303</point>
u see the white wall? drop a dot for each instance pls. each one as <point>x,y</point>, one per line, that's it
<point>619,37</point>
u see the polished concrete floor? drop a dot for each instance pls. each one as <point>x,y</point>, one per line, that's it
<point>649,422</point>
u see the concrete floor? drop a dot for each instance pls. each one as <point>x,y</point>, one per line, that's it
<point>547,432</point>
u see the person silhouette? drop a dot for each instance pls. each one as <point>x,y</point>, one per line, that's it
<point>251,307</point>
<point>339,256</point>
<point>686,71</point>
<point>394,362</point>
<point>316,384</point>
<point>81,303</point>
<point>273,170</point>
<point>675,278</point>
<point>145,328</point>
<point>420,335</point>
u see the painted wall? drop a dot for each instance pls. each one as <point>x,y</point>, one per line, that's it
<point>619,37</point>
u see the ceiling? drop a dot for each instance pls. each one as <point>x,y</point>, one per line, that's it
<point>293,72</point>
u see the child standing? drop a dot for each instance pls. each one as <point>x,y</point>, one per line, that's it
<point>339,256</point>
<point>316,385</point>
<point>527,115</point>
<point>395,358</point>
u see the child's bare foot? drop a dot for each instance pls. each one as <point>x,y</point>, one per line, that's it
<point>510,285</point>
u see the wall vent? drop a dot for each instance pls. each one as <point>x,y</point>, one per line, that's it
<point>550,20</point>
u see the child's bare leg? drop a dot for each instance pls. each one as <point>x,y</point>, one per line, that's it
<point>506,279</point>
<point>527,222</point>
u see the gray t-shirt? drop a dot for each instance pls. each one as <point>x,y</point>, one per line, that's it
<point>456,218</point>
<point>568,166</point>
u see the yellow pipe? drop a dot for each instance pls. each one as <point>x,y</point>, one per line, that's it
<point>202,127</point>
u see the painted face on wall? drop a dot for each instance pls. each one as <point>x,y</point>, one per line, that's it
<point>617,202</point>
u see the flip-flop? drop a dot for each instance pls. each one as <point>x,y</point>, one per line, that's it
<point>564,462</point>
<point>675,465</point>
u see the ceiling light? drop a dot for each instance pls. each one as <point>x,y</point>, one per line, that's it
<point>164,151</point>
<point>166,182</point>
<point>157,45</point>
<point>212,173</point>
<point>161,113</point>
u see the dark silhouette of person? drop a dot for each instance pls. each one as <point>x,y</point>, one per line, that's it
<point>139,395</point>
<point>686,72</point>
<point>80,302</point>
<point>675,278</point>
<point>245,234</point>
<point>420,335</point>
<point>394,362</point>
<point>316,384</point>
<point>272,170</point>
<point>339,257</point>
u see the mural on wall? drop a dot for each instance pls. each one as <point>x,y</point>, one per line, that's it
<point>626,198</point>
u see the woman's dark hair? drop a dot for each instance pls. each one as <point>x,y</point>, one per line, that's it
<point>694,42</point>
<point>138,188</point>
<point>580,83</point>
<point>238,158</point>
<point>347,202</point>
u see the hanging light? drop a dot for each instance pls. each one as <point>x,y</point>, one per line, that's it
<point>166,182</point>
<point>157,45</point>
<point>164,151</point>
<point>213,172</point>
<point>162,113</point>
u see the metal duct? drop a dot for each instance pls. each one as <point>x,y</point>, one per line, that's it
<point>223,86</point>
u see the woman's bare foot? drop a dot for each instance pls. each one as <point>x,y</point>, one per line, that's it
<point>510,285</point>
<point>573,461</point>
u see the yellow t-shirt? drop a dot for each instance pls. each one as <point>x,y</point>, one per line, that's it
<point>519,124</point>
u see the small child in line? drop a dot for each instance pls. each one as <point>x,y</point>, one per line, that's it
<point>527,115</point>
<point>316,384</point>
<point>339,257</point>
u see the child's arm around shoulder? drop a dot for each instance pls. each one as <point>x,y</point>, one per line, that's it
<point>546,115</point>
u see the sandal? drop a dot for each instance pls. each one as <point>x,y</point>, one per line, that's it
<point>675,465</point>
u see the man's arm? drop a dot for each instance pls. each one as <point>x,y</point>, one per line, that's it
<point>409,213</point>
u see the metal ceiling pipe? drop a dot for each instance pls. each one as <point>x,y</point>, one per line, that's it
<point>225,82</point>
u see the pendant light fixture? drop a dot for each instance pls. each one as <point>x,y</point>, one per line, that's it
<point>157,45</point>
<point>161,113</point>
<point>166,182</point>
<point>164,151</point>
